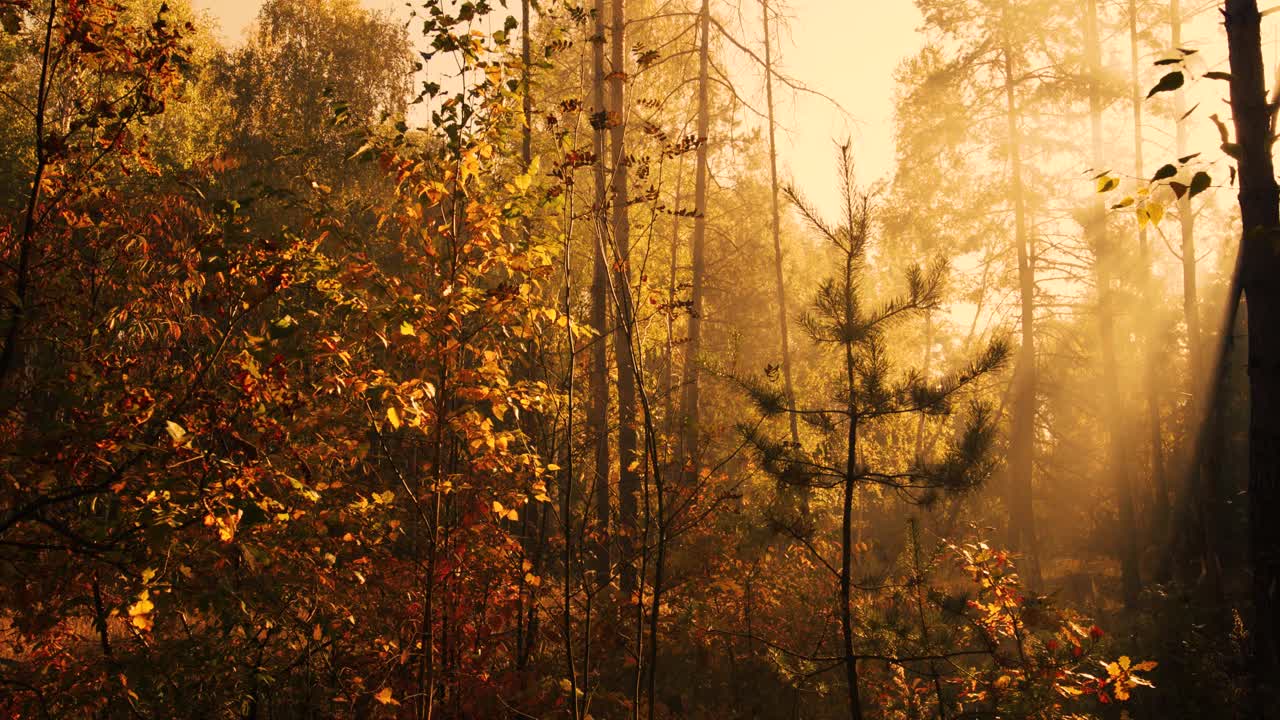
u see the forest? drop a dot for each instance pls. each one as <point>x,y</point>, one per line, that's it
<point>502,359</point>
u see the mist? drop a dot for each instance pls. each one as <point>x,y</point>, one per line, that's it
<point>639,359</point>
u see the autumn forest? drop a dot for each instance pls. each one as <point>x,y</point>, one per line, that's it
<point>499,359</point>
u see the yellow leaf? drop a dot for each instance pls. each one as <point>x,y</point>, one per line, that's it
<point>540,491</point>
<point>176,431</point>
<point>1155,211</point>
<point>140,612</point>
<point>407,329</point>
<point>522,182</point>
<point>143,606</point>
<point>384,697</point>
<point>393,416</point>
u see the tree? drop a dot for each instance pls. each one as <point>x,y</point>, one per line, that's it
<point>1118,465</point>
<point>96,83</point>
<point>215,430</point>
<point>598,410</point>
<point>784,321</point>
<point>1260,218</point>
<point>307,62</point>
<point>1159,475</point>
<point>689,407</point>
<point>854,325</point>
<point>629,455</point>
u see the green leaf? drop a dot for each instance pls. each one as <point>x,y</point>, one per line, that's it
<point>1218,75</point>
<point>1167,171</point>
<point>1172,81</point>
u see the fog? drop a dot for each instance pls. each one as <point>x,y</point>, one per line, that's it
<point>639,358</point>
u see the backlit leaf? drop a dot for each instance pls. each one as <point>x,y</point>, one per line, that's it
<point>1171,81</point>
<point>1200,182</point>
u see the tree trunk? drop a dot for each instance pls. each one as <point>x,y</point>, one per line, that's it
<point>690,410</point>
<point>850,487</point>
<point>1118,466</point>
<point>566,485</point>
<point>628,449</point>
<point>669,370</point>
<point>1151,383</point>
<point>598,407</point>
<point>925,369</point>
<point>526,102</point>
<point>528,519</point>
<point>777,228</point>
<point>1260,219</point>
<point>1202,498</point>
<point>846,566</point>
<point>1022,434</point>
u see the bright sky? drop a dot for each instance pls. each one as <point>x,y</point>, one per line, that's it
<point>848,50</point>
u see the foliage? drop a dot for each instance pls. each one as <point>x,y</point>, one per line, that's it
<point>291,415</point>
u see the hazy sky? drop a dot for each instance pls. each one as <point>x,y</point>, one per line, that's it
<point>848,49</point>
<point>844,48</point>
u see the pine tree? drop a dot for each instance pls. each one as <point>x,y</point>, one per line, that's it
<point>853,326</point>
